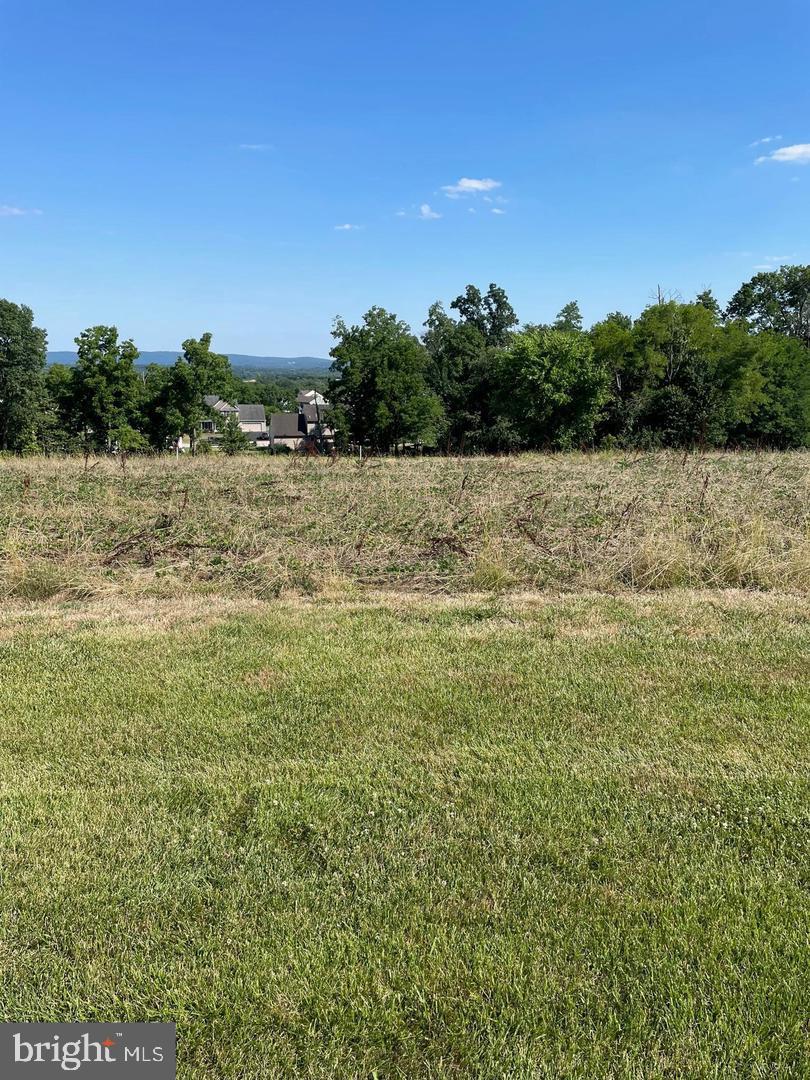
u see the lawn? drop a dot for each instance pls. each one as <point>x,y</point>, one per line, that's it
<point>399,835</point>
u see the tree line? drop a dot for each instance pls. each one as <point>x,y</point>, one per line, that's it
<point>475,380</point>
<point>680,375</point>
<point>103,401</point>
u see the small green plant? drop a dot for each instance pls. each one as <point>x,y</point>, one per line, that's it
<point>233,440</point>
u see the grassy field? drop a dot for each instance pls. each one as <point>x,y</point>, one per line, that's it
<point>265,526</point>
<point>349,808</point>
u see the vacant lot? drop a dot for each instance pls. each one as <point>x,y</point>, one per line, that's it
<point>343,833</point>
<point>263,526</point>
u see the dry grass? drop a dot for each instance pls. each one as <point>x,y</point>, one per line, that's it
<point>260,526</point>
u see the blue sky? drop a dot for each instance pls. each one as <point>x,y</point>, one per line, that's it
<point>175,167</point>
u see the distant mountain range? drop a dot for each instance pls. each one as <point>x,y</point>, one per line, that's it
<point>281,364</point>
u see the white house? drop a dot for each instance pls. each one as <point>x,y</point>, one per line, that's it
<point>310,397</point>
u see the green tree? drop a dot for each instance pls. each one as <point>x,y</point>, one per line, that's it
<point>106,389</point>
<point>698,381</point>
<point>777,300</point>
<point>776,411</point>
<point>492,315</point>
<point>58,382</point>
<point>680,403</point>
<point>379,393</point>
<point>569,318</point>
<point>460,373</point>
<point>58,430</point>
<point>233,440</point>
<point>175,395</point>
<point>200,371</point>
<point>630,377</point>
<point>707,299</point>
<point>554,388</point>
<point>680,377</point>
<point>211,372</point>
<point>737,379</point>
<point>163,422</point>
<point>463,365</point>
<point>22,364</point>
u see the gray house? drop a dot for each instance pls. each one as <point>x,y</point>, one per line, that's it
<point>290,430</point>
<point>287,430</point>
<point>252,419</point>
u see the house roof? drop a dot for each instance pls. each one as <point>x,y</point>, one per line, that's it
<point>286,425</point>
<point>311,413</point>
<point>214,401</point>
<point>310,397</point>
<point>251,414</point>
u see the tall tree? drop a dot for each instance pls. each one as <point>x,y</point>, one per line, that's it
<point>707,299</point>
<point>554,387</point>
<point>164,420</point>
<point>569,318</point>
<point>683,403</point>
<point>175,397</point>
<point>379,393</point>
<point>492,314</point>
<point>463,363</point>
<point>775,373</point>
<point>211,371</point>
<point>200,371</point>
<point>106,390</point>
<point>630,376</point>
<point>459,372</point>
<point>22,363</point>
<point>776,300</point>
<point>58,429</point>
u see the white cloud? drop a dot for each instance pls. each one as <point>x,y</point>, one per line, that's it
<point>469,186</point>
<point>798,154</point>
<point>767,139</point>
<point>400,213</point>
<point>773,262</point>
<point>255,146</point>
<point>16,211</point>
<point>347,227</point>
<point>426,214</point>
<point>497,210</point>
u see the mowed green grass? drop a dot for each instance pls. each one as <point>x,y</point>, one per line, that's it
<point>527,837</point>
